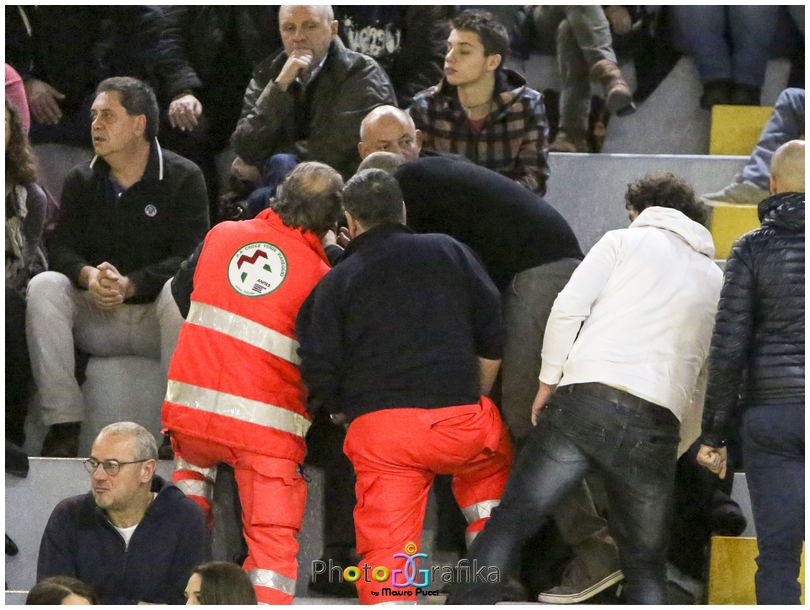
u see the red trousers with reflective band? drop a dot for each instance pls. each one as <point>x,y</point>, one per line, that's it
<point>396,453</point>
<point>273,495</point>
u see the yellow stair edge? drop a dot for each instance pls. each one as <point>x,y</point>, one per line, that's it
<point>735,130</point>
<point>732,567</point>
<point>729,221</point>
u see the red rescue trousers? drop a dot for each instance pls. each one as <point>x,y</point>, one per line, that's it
<point>396,453</point>
<point>273,495</point>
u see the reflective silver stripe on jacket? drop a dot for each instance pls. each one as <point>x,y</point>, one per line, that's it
<point>193,487</point>
<point>479,510</point>
<point>208,473</point>
<point>272,580</point>
<point>238,327</point>
<point>238,407</point>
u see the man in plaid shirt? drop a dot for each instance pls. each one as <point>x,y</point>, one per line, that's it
<point>483,111</point>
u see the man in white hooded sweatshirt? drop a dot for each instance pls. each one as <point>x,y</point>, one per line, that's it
<point>623,365</point>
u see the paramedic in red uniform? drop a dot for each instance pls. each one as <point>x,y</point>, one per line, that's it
<point>234,393</point>
<point>404,338</point>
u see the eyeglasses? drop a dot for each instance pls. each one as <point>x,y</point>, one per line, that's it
<point>111,467</point>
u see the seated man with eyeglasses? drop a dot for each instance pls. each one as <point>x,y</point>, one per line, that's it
<point>134,537</point>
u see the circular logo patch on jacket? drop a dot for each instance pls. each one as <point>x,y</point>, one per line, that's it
<point>257,269</point>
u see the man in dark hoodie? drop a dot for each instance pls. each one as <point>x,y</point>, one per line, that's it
<point>759,337</point>
<point>483,111</point>
<point>133,538</point>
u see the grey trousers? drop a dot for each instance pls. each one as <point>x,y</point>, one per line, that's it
<point>527,304</point>
<point>583,38</point>
<point>61,317</point>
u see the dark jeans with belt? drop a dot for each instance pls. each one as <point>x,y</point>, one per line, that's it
<point>632,443</point>
<point>773,455</point>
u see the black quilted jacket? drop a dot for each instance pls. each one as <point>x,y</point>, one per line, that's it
<point>757,352</point>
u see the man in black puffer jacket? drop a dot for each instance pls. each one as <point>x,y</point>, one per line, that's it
<point>759,337</point>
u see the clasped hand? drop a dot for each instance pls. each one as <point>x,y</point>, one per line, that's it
<point>714,459</point>
<point>108,288</point>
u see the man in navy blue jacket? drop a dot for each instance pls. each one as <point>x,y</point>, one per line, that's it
<point>133,538</point>
<point>404,338</point>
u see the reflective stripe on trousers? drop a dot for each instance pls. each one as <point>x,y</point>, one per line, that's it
<point>479,510</point>
<point>272,580</point>
<point>192,487</point>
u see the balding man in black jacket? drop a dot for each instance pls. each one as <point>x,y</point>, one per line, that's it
<point>758,347</point>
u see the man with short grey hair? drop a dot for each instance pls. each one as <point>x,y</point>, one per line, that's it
<point>308,101</point>
<point>134,537</point>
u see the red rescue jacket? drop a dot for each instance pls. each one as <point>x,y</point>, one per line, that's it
<point>234,377</point>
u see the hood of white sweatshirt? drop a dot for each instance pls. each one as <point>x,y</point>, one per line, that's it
<point>669,219</point>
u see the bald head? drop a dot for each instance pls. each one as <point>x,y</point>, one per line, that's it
<point>787,168</point>
<point>389,129</point>
<point>386,161</point>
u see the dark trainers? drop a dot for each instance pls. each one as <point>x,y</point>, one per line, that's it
<point>165,451</point>
<point>62,440</point>
<point>577,585</point>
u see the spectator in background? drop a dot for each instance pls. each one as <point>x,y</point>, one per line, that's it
<point>219,583</point>
<point>482,110</point>
<point>389,129</point>
<point>15,93</point>
<point>207,54</point>
<point>62,52</point>
<point>626,342</point>
<point>61,591</point>
<point>25,257</point>
<point>129,218</point>
<point>584,53</point>
<point>133,538</point>
<point>757,351</point>
<point>730,46</point>
<point>752,184</point>
<point>307,102</point>
<point>407,41</point>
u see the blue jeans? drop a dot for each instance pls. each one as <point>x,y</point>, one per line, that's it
<point>786,123</point>
<point>726,42</point>
<point>274,171</point>
<point>773,455</point>
<point>632,443</point>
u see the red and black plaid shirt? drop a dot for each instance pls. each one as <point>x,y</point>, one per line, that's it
<point>512,140</point>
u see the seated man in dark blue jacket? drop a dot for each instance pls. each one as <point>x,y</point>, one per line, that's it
<point>133,538</point>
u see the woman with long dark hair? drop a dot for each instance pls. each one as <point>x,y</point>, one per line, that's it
<point>218,583</point>
<point>25,217</point>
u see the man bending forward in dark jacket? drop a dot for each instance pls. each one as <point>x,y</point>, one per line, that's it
<point>404,338</point>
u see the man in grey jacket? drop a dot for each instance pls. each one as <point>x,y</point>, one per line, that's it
<point>309,100</point>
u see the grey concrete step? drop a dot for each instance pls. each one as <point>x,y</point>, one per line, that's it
<point>588,189</point>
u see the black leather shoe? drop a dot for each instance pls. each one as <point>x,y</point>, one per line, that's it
<point>11,547</point>
<point>16,461</point>
<point>62,440</point>
<point>715,93</point>
<point>745,95</point>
